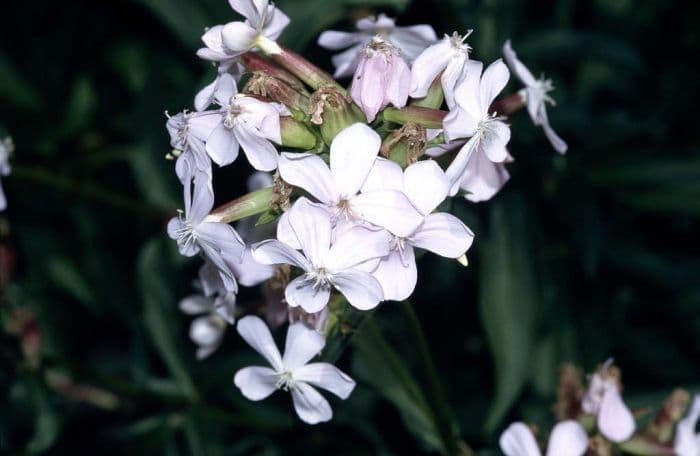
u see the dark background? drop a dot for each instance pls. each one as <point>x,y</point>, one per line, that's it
<point>581,257</point>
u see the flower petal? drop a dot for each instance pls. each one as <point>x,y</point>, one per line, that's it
<point>195,305</point>
<point>312,226</point>
<point>276,252</point>
<point>256,333</point>
<point>483,178</point>
<point>517,66</point>
<point>558,143</point>
<point>615,421</point>
<point>261,154</point>
<point>309,172</point>
<point>361,290</point>
<point>384,175</point>
<point>389,209</point>
<point>222,146</point>
<point>356,245</point>
<point>413,40</point>
<point>256,383</point>
<point>310,406</point>
<point>397,275</point>
<point>353,153</point>
<point>443,234</point>
<point>334,40</point>
<point>686,442</point>
<point>326,376</point>
<point>568,439</point>
<point>207,330</point>
<point>428,66</point>
<point>493,143</point>
<point>223,238</point>
<point>426,185</point>
<point>493,81</point>
<point>238,36</point>
<point>249,272</point>
<point>301,292</point>
<point>467,90</point>
<point>302,344</point>
<point>518,440</point>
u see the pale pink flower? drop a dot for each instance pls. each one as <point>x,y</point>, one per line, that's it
<point>568,438</point>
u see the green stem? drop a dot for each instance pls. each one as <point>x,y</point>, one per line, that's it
<point>442,412</point>
<point>248,205</point>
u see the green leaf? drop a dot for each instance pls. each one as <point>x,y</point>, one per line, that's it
<point>377,364</point>
<point>507,302</point>
<point>14,89</point>
<point>158,306</point>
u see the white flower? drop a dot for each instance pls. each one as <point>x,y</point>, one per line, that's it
<point>535,94</point>
<point>687,440</point>
<point>449,57</point>
<point>263,25</point>
<point>478,167</point>
<point>326,265</point>
<point>218,241</point>
<point>188,131</point>
<point>352,155</point>
<point>210,93</point>
<point>602,399</point>
<point>411,40</point>
<point>568,438</point>
<point>443,234</point>
<point>291,372</point>
<point>215,312</point>
<point>242,122</point>
<point>6,148</point>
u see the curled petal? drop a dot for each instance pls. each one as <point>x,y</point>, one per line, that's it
<point>615,421</point>
<point>428,66</point>
<point>518,440</point>
<point>568,439</point>
<point>238,36</point>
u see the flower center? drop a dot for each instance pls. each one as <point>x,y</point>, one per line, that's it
<point>457,42</point>
<point>485,124</point>
<point>344,210</point>
<point>399,244</point>
<point>186,235</point>
<point>233,111</point>
<point>285,381</point>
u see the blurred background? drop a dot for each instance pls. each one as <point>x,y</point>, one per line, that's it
<point>581,257</point>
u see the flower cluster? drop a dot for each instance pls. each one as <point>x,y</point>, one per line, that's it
<point>357,187</point>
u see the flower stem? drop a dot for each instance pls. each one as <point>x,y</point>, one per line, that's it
<point>443,414</point>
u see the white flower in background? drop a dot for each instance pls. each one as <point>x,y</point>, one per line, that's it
<point>448,57</point>
<point>218,241</point>
<point>291,372</point>
<point>687,440</point>
<point>6,148</point>
<point>209,94</point>
<point>426,186</point>
<point>382,77</point>
<point>352,155</point>
<point>243,122</point>
<point>326,264</point>
<point>568,438</point>
<point>215,312</point>
<point>263,25</point>
<point>535,95</point>
<point>410,40</point>
<point>602,399</point>
<point>478,168</point>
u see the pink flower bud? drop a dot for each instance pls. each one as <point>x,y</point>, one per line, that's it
<point>382,77</point>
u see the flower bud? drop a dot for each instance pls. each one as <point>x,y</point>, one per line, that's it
<point>405,145</point>
<point>295,134</point>
<point>382,77</point>
<point>255,63</point>
<point>332,111</point>
<point>278,90</point>
<point>312,75</point>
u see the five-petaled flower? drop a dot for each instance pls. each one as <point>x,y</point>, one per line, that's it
<point>194,233</point>
<point>478,167</point>
<point>326,262</point>
<point>292,371</point>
